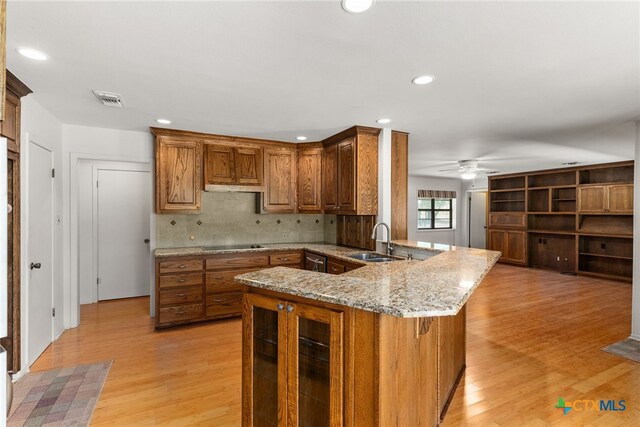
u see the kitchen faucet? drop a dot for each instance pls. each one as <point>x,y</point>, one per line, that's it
<point>373,236</point>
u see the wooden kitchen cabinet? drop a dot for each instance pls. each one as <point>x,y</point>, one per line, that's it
<point>280,179</point>
<point>196,289</point>
<point>616,198</point>
<point>511,243</point>
<point>350,172</point>
<point>310,180</point>
<point>179,292</point>
<point>293,363</point>
<point>178,175</point>
<point>228,165</point>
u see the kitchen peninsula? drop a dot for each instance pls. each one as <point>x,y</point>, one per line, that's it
<point>378,346</point>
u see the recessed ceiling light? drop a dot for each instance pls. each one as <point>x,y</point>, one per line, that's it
<point>383,121</point>
<point>32,53</point>
<point>423,80</point>
<point>357,6</point>
<point>163,121</point>
<point>301,138</point>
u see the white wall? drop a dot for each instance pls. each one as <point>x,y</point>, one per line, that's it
<point>82,142</point>
<point>41,127</point>
<point>452,237</point>
<point>635,304</point>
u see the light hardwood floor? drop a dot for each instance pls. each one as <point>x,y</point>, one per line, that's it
<point>533,336</point>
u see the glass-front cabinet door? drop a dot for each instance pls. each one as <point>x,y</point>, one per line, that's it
<point>315,366</point>
<point>292,364</point>
<point>264,352</point>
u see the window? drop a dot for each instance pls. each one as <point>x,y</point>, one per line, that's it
<point>435,213</point>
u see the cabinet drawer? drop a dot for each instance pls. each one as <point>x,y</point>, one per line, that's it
<point>286,258</point>
<point>224,304</point>
<point>180,313</point>
<point>180,296</point>
<point>507,219</point>
<point>333,268</point>
<point>222,281</point>
<point>237,261</point>
<point>180,280</point>
<point>180,266</point>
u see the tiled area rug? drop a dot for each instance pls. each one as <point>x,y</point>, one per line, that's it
<point>59,397</point>
<point>629,349</point>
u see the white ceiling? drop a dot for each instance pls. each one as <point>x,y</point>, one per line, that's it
<point>519,85</point>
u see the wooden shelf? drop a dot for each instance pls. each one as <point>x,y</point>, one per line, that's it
<point>507,201</point>
<point>550,187</point>
<point>617,236</point>
<point>506,190</point>
<point>551,213</point>
<point>573,233</point>
<point>605,276</point>
<point>563,200</point>
<point>606,256</point>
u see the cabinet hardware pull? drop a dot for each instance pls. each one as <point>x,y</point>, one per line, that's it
<point>182,266</point>
<point>219,300</point>
<point>181,311</point>
<point>283,259</point>
<point>181,295</point>
<point>219,277</point>
<point>289,308</point>
<point>280,307</point>
<point>181,280</point>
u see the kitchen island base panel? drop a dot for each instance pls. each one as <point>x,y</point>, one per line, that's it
<point>394,371</point>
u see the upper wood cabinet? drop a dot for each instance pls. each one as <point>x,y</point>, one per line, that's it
<point>280,181</point>
<point>178,175</point>
<point>616,198</point>
<point>310,180</point>
<point>10,126</point>
<point>228,165</point>
<point>350,172</point>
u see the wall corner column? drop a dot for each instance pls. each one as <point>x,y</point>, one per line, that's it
<point>635,305</point>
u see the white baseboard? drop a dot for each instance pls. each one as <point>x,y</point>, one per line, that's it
<point>21,373</point>
<point>635,337</point>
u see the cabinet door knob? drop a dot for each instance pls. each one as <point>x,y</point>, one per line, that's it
<point>280,307</point>
<point>289,308</point>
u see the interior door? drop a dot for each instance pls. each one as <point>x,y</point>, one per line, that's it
<point>478,220</point>
<point>40,251</point>
<point>123,228</point>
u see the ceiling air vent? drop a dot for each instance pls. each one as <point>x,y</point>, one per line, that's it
<point>109,99</point>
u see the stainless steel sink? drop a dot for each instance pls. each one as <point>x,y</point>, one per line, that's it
<point>369,257</point>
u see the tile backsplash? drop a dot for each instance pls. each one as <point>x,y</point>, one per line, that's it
<point>230,218</point>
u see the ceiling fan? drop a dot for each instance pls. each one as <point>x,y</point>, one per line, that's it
<point>468,168</point>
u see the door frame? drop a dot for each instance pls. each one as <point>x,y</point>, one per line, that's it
<point>72,286</point>
<point>126,167</point>
<point>26,251</point>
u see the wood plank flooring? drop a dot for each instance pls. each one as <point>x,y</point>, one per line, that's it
<point>532,337</point>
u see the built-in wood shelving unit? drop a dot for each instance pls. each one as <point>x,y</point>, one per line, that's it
<point>573,220</point>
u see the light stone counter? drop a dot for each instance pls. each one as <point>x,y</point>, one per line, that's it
<point>437,286</point>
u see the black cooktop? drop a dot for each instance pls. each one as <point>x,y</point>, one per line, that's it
<point>231,247</point>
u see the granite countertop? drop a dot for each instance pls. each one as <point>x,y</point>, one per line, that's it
<point>437,286</point>
<point>336,251</point>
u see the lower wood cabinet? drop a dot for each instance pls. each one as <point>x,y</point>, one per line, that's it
<point>196,289</point>
<point>308,363</point>
<point>512,244</point>
<point>339,266</point>
<point>293,363</point>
